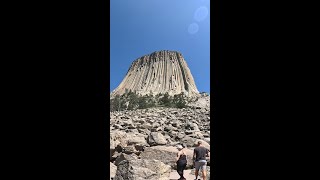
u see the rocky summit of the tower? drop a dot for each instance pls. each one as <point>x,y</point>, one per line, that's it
<point>159,72</point>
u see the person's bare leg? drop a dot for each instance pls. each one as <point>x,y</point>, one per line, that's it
<point>204,174</point>
<point>196,173</point>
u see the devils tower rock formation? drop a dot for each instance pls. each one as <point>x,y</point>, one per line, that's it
<point>159,72</point>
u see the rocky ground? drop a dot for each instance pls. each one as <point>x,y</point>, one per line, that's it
<point>142,142</point>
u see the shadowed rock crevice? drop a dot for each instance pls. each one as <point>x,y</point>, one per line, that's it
<point>183,74</point>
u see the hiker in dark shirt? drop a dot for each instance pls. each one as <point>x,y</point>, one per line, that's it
<point>199,159</point>
<point>181,160</point>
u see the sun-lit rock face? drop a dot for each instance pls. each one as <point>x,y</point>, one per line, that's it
<point>158,72</point>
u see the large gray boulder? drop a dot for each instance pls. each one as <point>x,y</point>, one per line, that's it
<point>142,169</point>
<point>156,138</point>
<point>118,138</point>
<point>122,157</point>
<point>113,170</point>
<point>190,141</point>
<point>137,139</point>
<point>166,154</point>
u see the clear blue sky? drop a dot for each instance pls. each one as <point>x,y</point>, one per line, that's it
<point>140,27</point>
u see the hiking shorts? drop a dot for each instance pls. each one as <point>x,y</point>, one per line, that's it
<point>200,164</point>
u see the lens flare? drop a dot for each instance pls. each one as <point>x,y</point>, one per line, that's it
<point>193,28</point>
<point>201,13</point>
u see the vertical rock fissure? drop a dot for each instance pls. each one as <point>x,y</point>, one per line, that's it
<point>183,73</point>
